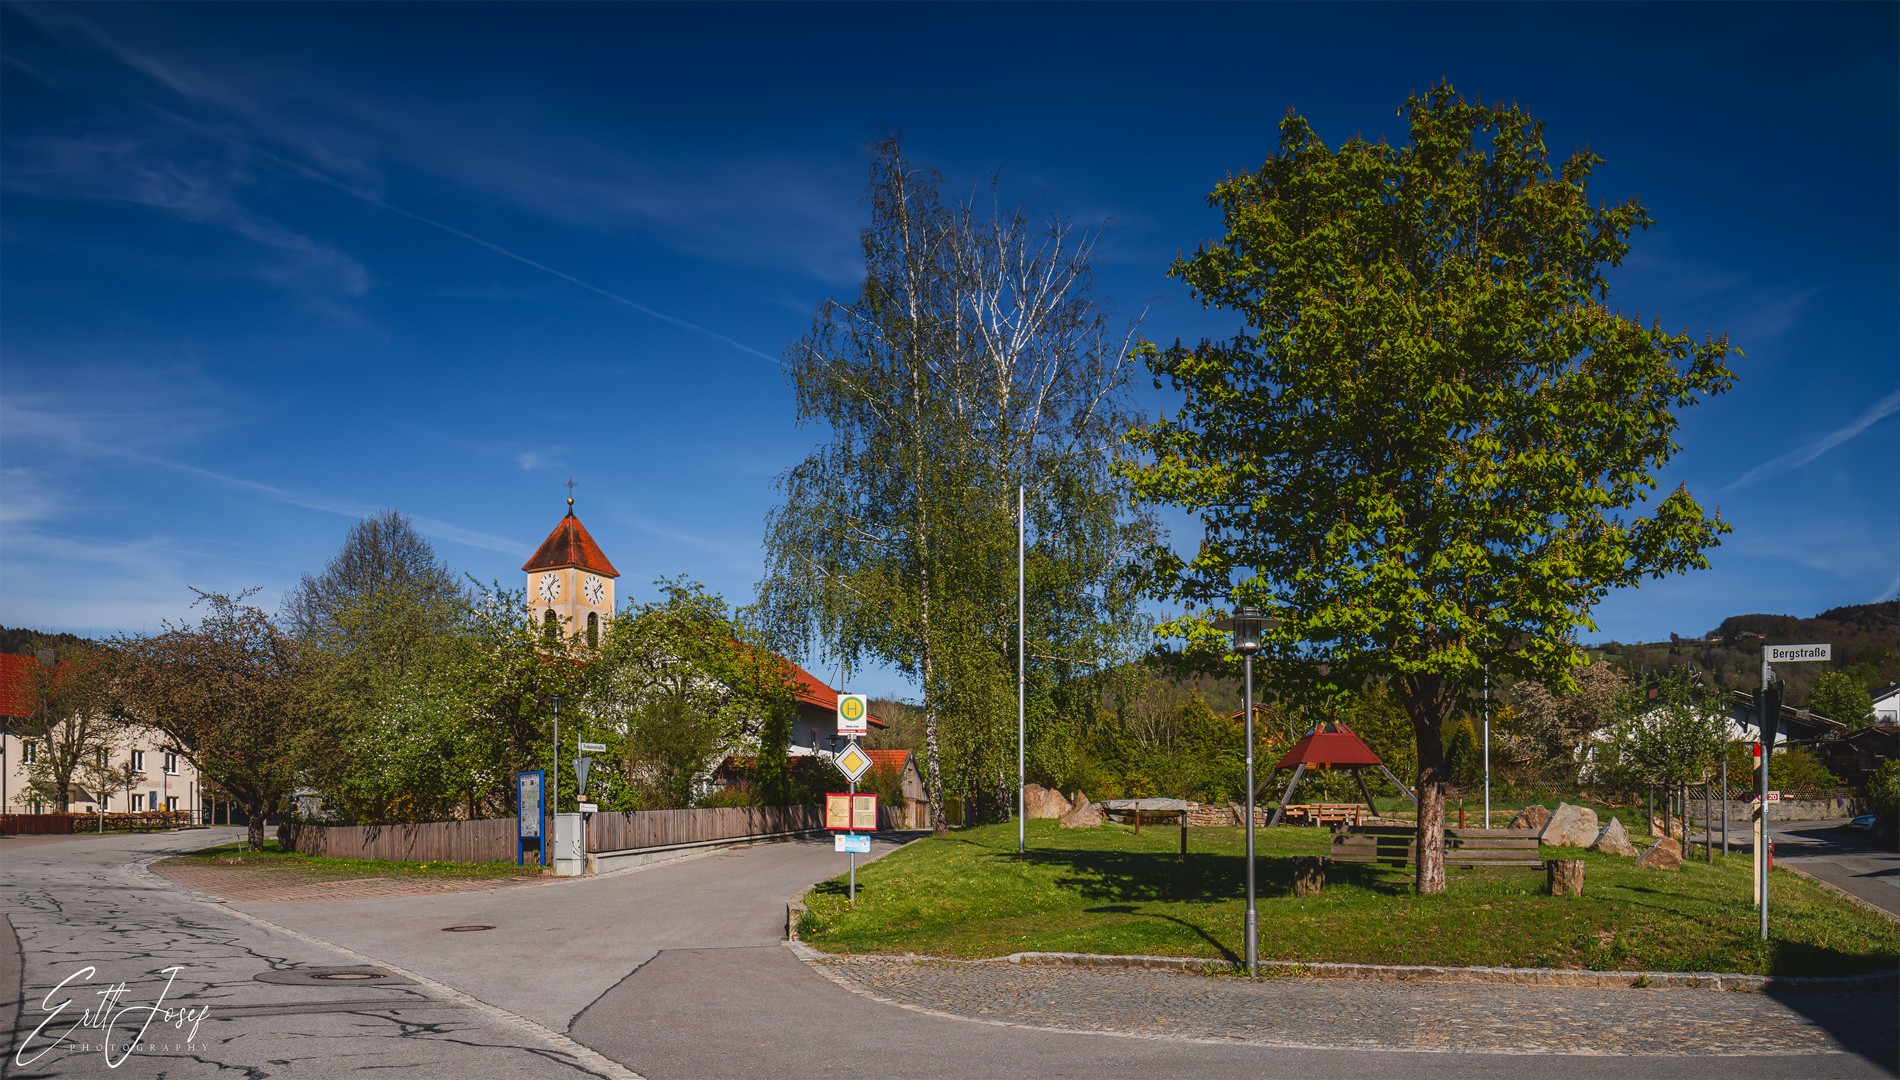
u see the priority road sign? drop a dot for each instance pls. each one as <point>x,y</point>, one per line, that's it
<point>853,763</point>
<point>581,767</point>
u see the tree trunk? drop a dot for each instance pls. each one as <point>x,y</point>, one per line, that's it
<point>1422,704</point>
<point>254,835</point>
<point>1309,875</point>
<point>1565,877</point>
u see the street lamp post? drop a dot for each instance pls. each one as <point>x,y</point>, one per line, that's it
<point>554,769</point>
<point>1246,624</point>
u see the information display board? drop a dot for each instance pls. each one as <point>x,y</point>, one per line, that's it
<point>850,813</point>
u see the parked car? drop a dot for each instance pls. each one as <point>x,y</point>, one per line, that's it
<point>1865,823</point>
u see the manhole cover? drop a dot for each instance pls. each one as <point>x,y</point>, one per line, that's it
<point>464,929</point>
<point>330,976</point>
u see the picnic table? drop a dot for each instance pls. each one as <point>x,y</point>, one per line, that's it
<point>1326,813</point>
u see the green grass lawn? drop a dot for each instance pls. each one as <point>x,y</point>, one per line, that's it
<point>272,857</point>
<point>1106,890</point>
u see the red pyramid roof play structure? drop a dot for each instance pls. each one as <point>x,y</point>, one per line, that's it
<point>569,545</point>
<point>1330,744</point>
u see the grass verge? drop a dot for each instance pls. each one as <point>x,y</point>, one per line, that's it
<point>1106,890</point>
<point>272,858</point>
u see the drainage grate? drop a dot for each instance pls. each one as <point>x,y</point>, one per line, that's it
<point>464,929</point>
<point>330,976</point>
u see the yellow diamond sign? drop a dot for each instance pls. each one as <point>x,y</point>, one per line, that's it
<point>853,763</point>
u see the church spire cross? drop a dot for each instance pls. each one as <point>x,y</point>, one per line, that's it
<point>570,486</point>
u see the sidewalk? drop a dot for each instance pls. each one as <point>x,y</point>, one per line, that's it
<point>1424,1016</point>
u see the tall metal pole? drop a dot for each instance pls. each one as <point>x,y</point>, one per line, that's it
<point>1253,925</point>
<point>851,811</point>
<point>1768,725</point>
<point>1725,803</point>
<point>1022,812</point>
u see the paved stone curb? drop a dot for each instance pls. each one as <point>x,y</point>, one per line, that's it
<point>1612,980</point>
<point>583,1056</point>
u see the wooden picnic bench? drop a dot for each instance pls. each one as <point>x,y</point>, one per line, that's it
<point>1465,849</point>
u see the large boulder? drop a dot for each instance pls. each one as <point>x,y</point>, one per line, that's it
<point>1570,826</point>
<point>1531,817</point>
<point>1614,840</point>
<point>1664,854</point>
<point>1656,827</point>
<point>1040,802</point>
<point>1084,815</point>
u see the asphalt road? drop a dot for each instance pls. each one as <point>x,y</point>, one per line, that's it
<point>77,912</point>
<point>1849,860</point>
<point>670,971</point>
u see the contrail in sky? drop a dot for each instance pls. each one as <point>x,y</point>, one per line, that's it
<point>1794,459</point>
<point>323,178</point>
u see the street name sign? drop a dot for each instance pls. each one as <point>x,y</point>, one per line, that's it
<point>1792,654</point>
<point>589,808</point>
<point>593,748</point>
<point>857,845</point>
<point>854,714</point>
<point>853,763</point>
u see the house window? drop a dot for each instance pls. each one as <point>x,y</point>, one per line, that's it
<point>171,764</point>
<point>105,803</point>
<point>550,625</point>
<point>138,760</point>
<point>29,753</point>
<point>138,803</point>
<point>171,803</point>
<point>593,628</point>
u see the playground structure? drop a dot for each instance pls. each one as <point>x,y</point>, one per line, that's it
<point>1333,746</point>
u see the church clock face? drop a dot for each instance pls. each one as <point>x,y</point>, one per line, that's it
<point>550,587</point>
<point>595,589</point>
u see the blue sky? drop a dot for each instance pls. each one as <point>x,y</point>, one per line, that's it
<point>264,268</point>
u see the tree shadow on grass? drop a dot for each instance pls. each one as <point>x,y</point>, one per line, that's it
<point>1205,878</point>
<point>1126,909</point>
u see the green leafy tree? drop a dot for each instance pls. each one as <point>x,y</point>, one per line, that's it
<point>1422,450</point>
<point>1677,737</point>
<point>70,723</point>
<point>1839,695</point>
<point>230,691</point>
<point>973,359</point>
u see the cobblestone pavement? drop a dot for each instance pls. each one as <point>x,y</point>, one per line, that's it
<point>268,883</point>
<point>1356,1014</point>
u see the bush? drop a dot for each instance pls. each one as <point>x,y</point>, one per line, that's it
<point>1880,794</point>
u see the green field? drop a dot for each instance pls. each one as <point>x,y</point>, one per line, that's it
<point>1106,890</point>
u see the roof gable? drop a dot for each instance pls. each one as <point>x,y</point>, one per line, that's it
<point>570,545</point>
<point>1330,744</point>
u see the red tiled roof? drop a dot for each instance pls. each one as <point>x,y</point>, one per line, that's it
<point>815,692</point>
<point>889,759</point>
<point>569,545</point>
<point>16,684</point>
<point>1330,744</point>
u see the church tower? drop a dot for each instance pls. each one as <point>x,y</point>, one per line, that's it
<point>570,583</point>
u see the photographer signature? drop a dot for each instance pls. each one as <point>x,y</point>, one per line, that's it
<point>107,1015</point>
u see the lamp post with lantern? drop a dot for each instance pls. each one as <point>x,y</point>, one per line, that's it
<point>1246,625</point>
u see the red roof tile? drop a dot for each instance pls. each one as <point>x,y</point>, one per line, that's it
<point>889,759</point>
<point>16,684</point>
<point>815,692</point>
<point>569,545</point>
<point>1330,744</point>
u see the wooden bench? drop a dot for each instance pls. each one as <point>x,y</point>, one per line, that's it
<point>1465,849</point>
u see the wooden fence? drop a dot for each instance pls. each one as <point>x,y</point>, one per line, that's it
<point>491,840</point>
<point>39,823</point>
